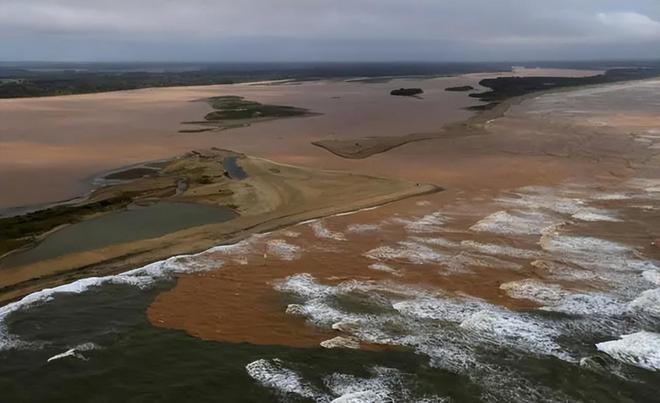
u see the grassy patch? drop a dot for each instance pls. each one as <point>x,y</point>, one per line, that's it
<point>19,231</point>
<point>238,108</point>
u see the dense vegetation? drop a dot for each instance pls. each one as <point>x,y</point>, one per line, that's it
<point>503,88</point>
<point>407,92</point>
<point>233,107</point>
<point>34,79</point>
<point>462,88</point>
<point>46,79</point>
<point>18,231</point>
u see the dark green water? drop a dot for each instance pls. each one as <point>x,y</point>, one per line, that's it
<point>136,362</point>
<point>120,227</point>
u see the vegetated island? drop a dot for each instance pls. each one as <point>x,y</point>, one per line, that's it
<point>462,88</point>
<point>193,202</point>
<point>407,92</point>
<point>504,92</point>
<point>232,111</point>
<point>503,88</point>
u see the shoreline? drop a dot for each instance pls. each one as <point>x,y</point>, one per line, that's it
<point>114,259</point>
<point>365,147</point>
<point>278,193</point>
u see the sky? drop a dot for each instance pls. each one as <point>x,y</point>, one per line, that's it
<point>328,30</point>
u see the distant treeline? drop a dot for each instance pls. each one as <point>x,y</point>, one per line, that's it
<point>46,79</point>
<point>18,80</point>
<point>503,88</point>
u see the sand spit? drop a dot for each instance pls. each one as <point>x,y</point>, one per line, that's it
<point>361,148</point>
<point>272,196</point>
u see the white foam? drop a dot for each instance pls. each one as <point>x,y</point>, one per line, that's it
<point>69,353</point>
<point>536,198</point>
<point>273,374</point>
<point>282,249</point>
<point>593,215</point>
<point>515,223</point>
<point>362,228</point>
<point>594,253</point>
<point>8,341</point>
<point>304,285</point>
<point>639,349</point>
<point>461,261</point>
<point>74,352</point>
<point>555,298</point>
<point>368,396</point>
<point>652,276</point>
<point>534,290</point>
<point>141,277</point>
<point>516,330</point>
<point>407,251</point>
<point>450,330</point>
<point>341,342</point>
<point>385,385</point>
<point>648,185</point>
<point>589,304</point>
<point>321,231</point>
<point>382,267</point>
<point>429,223</point>
<point>443,309</point>
<point>445,243</point>
<point>612,196</point>
<point>648,301</point>
<point>502,250</point>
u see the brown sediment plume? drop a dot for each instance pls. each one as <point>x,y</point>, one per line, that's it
<point>73,138</point>
<point>521,149</point>
<point>239,303</point>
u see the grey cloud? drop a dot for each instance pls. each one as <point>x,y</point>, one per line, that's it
<point>326,29</point>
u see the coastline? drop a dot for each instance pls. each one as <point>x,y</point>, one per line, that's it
<point>116,258</point>
<point>282,202</point>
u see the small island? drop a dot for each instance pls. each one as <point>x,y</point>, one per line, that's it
<point>407,92</point>
<point>231,111</point>
<point>462,88</point>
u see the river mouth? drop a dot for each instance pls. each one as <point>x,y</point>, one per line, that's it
<point>130,225</point>
<point>533,277</point>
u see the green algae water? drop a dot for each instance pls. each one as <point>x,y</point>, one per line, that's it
<point>120,227</point>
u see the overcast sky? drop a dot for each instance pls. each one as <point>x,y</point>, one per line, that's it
<point>333,30</point>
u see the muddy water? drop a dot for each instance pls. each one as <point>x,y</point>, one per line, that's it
<point>546,234</point>
<point>517,283</point>
<point>76,137</point>
<point>73,138</point>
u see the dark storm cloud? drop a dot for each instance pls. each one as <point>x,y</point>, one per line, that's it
<point>327,29</point>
